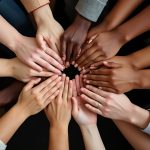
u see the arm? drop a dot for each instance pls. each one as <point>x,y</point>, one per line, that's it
<point>120,11</point>
<point>31,101</point>
<point>86,120</point>
<point>11,68</point>
<point>137,138</point>
<point>48,29</point>
<point>59,115</point>
<point>73,38</point>
<point>115,106</point>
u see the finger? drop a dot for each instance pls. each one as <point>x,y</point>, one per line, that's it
<point>98,91</point>
<point>111,64</point>
<point>92,95</point>
<point>52,61</point>
<point>46,65</point>
<point>75,107</point>
<point>41,74</point>
<point>65,91</point>
<point>93,109</point>
<point>70,91</point>
<point>52,44</point>
<point>80,80</point>
<point>41,41</point>
<point>109,90</point>
<point>74,89</point>
<point>50,86</point>
<point>31,84</point>
<point>95,77</point>
<point>42,85</point>
<point>101,71</point>
<point>34,66</point>
<point>97,64</point>
<point>61,88</point>
<point>98,83</point>
<point>91,101</point>
<point>86,47</point>
<point>77,82</point>
<point>76,51</point>
<point>69,51</point>
<point>52,90</point>
<point>54,55</point>
<point>63,47</point>
<point>51,98</point>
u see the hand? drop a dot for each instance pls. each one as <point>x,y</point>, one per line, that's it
<point>26,74</point>
<point>104,46</point>
<point>28,51</point>
<point>114,106</point>
<point>59,111</point>
<point>48,29</point>
<point>34,99</point>
<point>116,78</point>
<point>80,113</point>
<point>73,38</point>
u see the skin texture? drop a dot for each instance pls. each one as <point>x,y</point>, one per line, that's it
<point>31,101</point>
<point>12,67</point>
<point>107,44</point>
<point>114,19</point>
<point>28,51</point>
<point>86,120</point>
<point>48,29</point>
<point>115,75</point>
<point>59,114</point>
<point>114,106</point>
<point>72,41</point>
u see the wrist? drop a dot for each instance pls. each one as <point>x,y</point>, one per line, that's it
<point>139,117</point>
<point>43,14</point>
<point>83,22</point>
<point>88,127</point>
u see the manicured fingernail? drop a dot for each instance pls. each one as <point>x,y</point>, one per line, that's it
<point>73,62</point>
<point>76,65</point>
<point>79,69</point>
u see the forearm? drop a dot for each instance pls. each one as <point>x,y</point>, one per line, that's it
<point>9,35</point>
<point>91,137</point>
<point>9,124</point>
<point>43,14</point>
<point>138,117</point>
<point>135,26</point>
<point>140,59</point>
<point>119,13</point>
<point>58,138</point>
<point>137,138</point>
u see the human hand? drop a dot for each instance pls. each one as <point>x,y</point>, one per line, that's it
<point>104,46</point>
<point>28,51</point>
<point>34,99</point>
<point>48,29</point>
<point>114,77</point>
<point>73,38</point>
<point>114,106</point>
<point>79,112</point>
<point>58,111</point>
<point>26,74</point>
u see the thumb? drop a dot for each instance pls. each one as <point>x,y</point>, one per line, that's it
<point>41,41</point>
<point>111,64</point>
<point>74,107</point>
<point>31,84</point>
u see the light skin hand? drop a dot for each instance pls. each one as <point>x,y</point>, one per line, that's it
<point>59,111</point>
<point>114,106</point>
<point>73,38</point>
<point>26,74</point>
<point>104,46</point>
<point>49,30</point>
<point>28,51</point>
<point>33,99</point>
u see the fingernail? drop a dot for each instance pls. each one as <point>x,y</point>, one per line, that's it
<point>84,76</point>
<point>76,65</point>
<point>79,69</point>
<point>73,62</point>
<point>87,86</point>
<point>87,81</point>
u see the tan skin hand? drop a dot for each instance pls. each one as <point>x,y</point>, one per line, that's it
<point>33,99</point>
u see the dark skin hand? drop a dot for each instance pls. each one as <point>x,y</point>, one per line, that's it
<point>114,77</point>
<point>104,46</point>
<point>73,39</point>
